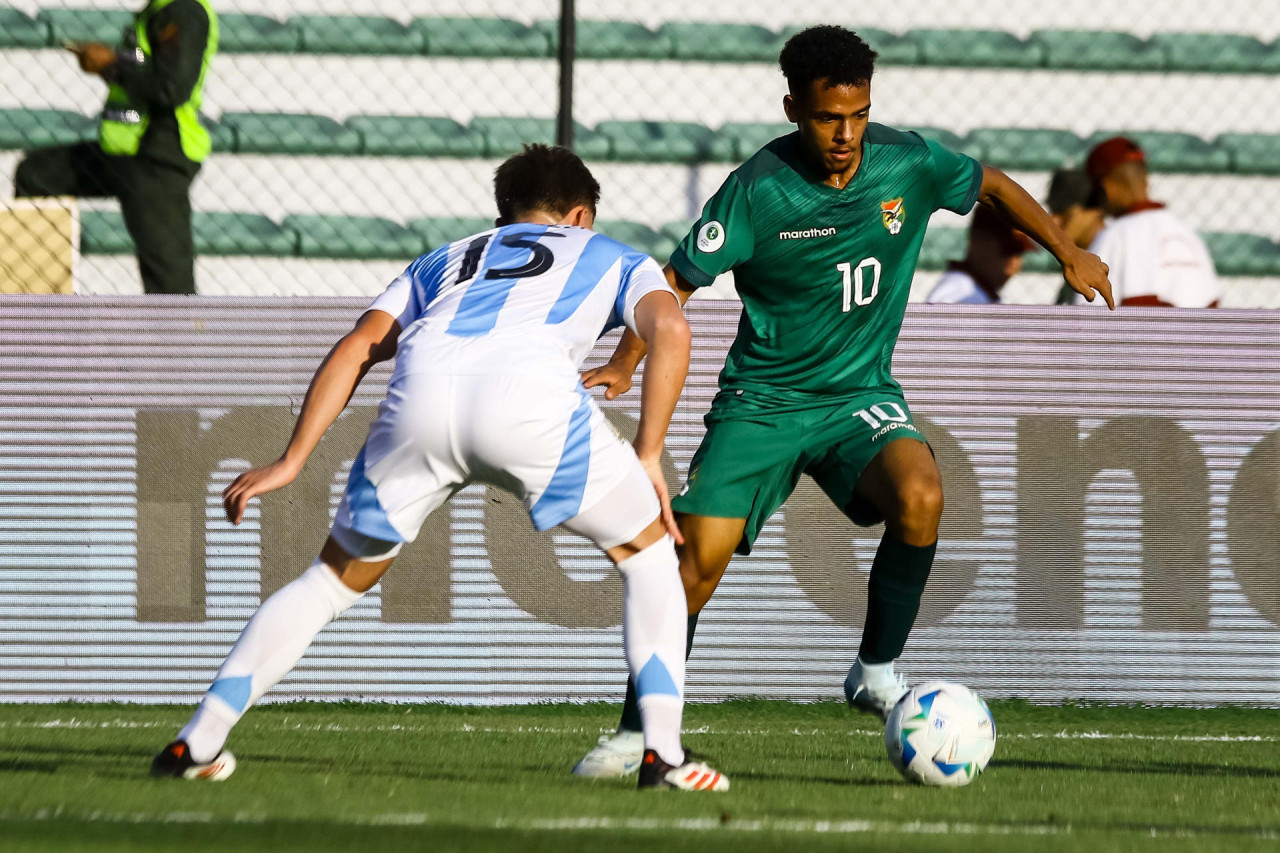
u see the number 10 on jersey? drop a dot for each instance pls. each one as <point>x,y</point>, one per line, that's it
<point>855,289</point>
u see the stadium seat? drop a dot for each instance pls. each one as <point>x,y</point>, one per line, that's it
<point>417,136</point>
<point>23,129</point>
<point>657,141</point>
<point>942,245</point>
<point>104,25</point>
<point>1174,152</point>
<point>676,231</point>
<point>736,141</point>
<point>504,136</point>
<point>289,133</point>
<point>354,237</point>
<point>1018,148</point>
<point>241,234</point>
<point>611,40</point>
<point>1217,52</point>
<point>256,34</point>
<point>490,37</point>
<point>976,48</point>
<point>18,30</point>
<point>640,237</point>
<point>102,232</point>
<point>722,42</point>
<point>222,135</point>
<point>357,34</point>
<point>1096,50</point>
<point>442,230</point>
<point>1252,153</point>
<point>891,49</point>
<point>1243,254</point>
<point>937,134</point>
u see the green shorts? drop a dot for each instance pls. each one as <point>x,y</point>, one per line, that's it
<point>752,456</point>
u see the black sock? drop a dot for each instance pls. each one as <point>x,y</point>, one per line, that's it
<point>630,706</point>
<point>897,581</point>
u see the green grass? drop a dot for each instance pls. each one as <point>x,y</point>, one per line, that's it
<point>322,777</point>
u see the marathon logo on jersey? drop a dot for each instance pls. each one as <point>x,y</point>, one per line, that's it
<point>806,234</point>
<point>892,214</point>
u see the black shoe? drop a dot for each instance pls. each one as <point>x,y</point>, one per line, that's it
<point>690,776</point>
<point>175,760</point>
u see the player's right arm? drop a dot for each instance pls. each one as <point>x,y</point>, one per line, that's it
<point>372,340</point>
<point>721,239</point>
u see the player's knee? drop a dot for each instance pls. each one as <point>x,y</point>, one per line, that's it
<point>919,505</point>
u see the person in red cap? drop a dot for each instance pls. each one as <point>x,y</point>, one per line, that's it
<point>994,256</point>
<point>1154,258</point>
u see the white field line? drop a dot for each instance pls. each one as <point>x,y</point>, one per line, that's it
<point>595,823</point>
<point>73,723</point>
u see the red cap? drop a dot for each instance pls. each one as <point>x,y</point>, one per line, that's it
<point>1109,154</point>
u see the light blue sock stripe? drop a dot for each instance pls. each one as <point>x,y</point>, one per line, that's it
<point>234,691</point>
<point>655,680</point>
<point>563,497</point>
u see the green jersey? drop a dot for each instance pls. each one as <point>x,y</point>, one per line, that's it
<point>823,273</point>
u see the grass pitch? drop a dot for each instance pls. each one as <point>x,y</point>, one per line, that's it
<point>322,777</point>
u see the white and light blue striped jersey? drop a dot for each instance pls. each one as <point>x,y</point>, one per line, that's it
<point>516,299</point>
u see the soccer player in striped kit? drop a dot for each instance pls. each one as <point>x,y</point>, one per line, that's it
<point>488,334</point>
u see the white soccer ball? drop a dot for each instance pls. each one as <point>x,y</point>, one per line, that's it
<point>940,733</point>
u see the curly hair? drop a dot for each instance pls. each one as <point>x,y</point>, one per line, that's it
<point>543,177</point>
<point>829,53</point>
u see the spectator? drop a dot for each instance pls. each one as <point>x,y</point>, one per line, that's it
<point>1073,206</point>
<point>1154,258</point>
<point>994,256</point>
<point>150,141</point>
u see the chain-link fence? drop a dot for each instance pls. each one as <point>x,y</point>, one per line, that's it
<point>351,135</point>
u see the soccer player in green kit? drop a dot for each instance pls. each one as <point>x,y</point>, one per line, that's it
<point>822,229</point>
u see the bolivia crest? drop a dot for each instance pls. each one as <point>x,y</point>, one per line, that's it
<point>892,215</point>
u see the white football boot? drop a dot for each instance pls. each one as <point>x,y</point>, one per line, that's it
<point>690,776</point>
<point>613,757</point>
<point>875,689</point>
<point>175,760</point>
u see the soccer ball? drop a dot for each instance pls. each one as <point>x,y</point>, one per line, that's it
<point>940,733</point>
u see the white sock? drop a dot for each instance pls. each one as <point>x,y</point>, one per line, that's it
<point>654,624</point>
<point>270,645</point>
<point>877,674</point>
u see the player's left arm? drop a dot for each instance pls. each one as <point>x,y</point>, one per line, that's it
<point>372,340</point>
<point>1084,271</point>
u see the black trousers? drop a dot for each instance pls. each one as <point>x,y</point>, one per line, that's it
<point>153,197</point>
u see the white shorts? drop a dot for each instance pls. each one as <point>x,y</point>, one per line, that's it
<point>542,439</point>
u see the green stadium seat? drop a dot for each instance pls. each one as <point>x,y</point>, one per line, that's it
<point>891,49</point>
<point>942,245</point>
<point>1252,153</point>
<point>1098,50</point>
<point>290,133</point>
<point>504,136</point>
<point>1243,254</point>
<point>223,135</point>
<point>611,40</point>
<point>18,30</point>
<point>640,237</point>
<point>1040,261</point>
<point>1174,152</point>
<point>677,231</point>
<point>102,232</point>
<point>256,34</point>
<point>417,136</point>
<point>357,34</point>
<point>488,37</point>
<point>442,230</point>
<point>104,25</point>
<point>736,141</point>
<point>1217,52</point>
<point>241,234</point>
<point>657,141</point>
<point>976,49</point>
<point>353,237</point>
<point>944,137</point>
<point>1019,148</point>
<point>23,129</point>
<point>722,42</point>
